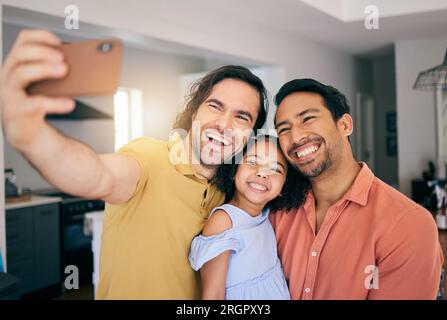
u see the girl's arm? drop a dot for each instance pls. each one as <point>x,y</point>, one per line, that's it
<point>214,272</point>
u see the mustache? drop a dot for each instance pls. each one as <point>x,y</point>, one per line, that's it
<point>301,143</point>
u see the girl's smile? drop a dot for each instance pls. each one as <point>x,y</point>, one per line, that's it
<point>261,175</point>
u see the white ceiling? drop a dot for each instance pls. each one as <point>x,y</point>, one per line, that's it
<point>340,23</point>
<point>354,10</point>
<point>337,23</point>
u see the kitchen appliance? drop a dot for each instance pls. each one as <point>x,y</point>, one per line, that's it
<point>76,247</point>
<point>11,190</point>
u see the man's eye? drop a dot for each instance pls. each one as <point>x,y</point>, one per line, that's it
<point>243,118</point>
<point>214,106</point>
<point>282,130</point>
<point>308,118</point>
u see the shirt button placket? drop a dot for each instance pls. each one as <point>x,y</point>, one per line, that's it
<point>313,265</point>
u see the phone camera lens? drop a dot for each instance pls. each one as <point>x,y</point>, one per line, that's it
<point>105,47</point>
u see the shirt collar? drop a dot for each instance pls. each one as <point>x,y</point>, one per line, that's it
<point>358,192</point>
<point>178,155</point>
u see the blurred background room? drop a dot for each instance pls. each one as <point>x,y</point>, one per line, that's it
<point>371,50</point>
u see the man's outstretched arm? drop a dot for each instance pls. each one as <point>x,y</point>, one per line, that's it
<point>66,163</point>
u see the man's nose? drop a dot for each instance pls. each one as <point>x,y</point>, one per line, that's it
<point>297,134</point>
<point>225,121</point>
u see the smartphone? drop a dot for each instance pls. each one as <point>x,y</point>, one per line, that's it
<point>93,69</point>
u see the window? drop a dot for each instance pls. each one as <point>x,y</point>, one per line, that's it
<point>128,116</point>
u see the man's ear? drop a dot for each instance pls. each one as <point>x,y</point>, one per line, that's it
<point>345,125</point>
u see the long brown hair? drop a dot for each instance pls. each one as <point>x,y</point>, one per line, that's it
<point>201,89</point>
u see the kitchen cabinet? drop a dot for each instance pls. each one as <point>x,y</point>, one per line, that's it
<point>33,246</point>
<point>46,245</point>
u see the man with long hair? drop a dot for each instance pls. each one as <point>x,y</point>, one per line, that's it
<point>158,193</point>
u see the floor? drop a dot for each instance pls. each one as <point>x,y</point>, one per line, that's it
<point>83,293</point>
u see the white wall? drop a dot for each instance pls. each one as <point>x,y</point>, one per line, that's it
<point>157,75</point>
<point>415,108</point>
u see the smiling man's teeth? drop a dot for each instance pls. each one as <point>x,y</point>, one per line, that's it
<point>218,139</point>
<point>257,186</point>
<point>306,151</point>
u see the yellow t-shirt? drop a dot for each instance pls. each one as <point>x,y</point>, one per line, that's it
<point>146,241</point>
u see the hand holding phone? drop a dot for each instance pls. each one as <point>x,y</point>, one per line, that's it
<point>93,69</point>
<point>39,75</point>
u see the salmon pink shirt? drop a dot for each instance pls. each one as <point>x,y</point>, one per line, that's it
<point>374,243</point>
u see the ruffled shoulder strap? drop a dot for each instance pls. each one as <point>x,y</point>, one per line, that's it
<point>204,249</point>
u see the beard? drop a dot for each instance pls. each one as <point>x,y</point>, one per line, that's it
<point>332,155</point>
<point>317,170</point>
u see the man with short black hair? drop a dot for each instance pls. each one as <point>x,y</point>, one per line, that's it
<point>355,237</point>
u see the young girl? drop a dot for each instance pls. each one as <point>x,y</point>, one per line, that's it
<point>236,251</point>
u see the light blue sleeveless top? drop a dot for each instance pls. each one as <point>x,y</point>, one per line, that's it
<point>254,270</point>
